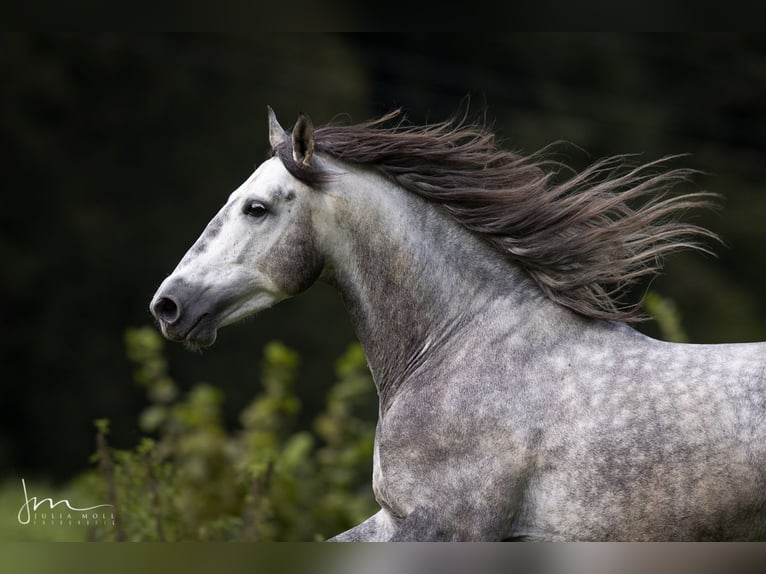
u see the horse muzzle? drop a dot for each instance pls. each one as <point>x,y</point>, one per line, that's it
<point>184,313</point>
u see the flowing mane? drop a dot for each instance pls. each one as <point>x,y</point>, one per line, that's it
<point>584,240</point>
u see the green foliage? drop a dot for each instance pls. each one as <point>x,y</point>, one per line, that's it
<point>668,318</point>
<point>193,479</point>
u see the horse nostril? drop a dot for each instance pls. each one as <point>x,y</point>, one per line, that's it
<point>166,310</point>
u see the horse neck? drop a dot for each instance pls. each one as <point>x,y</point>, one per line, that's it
<point>411,277</point>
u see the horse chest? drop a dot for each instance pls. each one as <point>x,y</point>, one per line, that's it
<point>453,463</point>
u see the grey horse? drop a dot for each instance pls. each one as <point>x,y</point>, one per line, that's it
<point>516,401</point>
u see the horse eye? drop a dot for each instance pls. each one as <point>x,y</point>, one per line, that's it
<point>255,209</point>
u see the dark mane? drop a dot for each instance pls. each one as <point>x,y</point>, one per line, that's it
<point>584,241</point>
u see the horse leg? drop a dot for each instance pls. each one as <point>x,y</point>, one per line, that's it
<point>428,525</point>
<point>423,525</point>
<point>377,528</point>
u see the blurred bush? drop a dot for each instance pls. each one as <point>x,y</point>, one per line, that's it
<point>665,312</point>
<point>190,478</point>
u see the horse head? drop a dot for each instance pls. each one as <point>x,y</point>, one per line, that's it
<point>259,249</point>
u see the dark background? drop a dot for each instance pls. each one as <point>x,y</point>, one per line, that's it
<point>115,151</point>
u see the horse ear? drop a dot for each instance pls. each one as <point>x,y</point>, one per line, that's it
<point>277,134</point>
<point>303,140</point>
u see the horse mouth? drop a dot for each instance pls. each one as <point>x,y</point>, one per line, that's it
<point>201,333</point>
